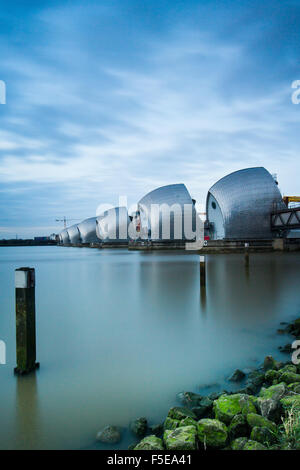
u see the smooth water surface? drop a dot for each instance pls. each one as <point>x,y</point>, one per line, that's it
<point>120,333</point>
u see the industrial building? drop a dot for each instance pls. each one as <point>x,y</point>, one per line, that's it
<point>239,206</point>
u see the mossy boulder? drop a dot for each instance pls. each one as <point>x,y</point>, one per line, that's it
<point>291,401</point>
<point>188,422</point>
<point>269,363</point>
<point>255,420</point>
<point>150,443</point>
<point>171,423</point>
<point>253,445</point>
<point>272,376</point>
<point>237,376</point>
<point>238,427</point>
<point>139,427</point>
<point>227,406</point>
<point>263,435</point>
<point>204,408</point>
<point>157,429</point>
<point>239,443</point>
<point>181,412</point>
<point>275,392</point>
<point>295,388</point>
<point>182,438</point>
<point>109,435</point>
<point>270,409</point>
<point>289,377</point>
<point>190,399</point>
<point>212,433</point>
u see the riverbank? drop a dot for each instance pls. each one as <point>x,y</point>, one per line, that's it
<point>263,415</point>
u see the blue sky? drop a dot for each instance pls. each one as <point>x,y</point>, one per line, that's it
<point>117,97</point>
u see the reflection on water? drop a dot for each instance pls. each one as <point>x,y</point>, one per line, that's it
<point>120,333</point>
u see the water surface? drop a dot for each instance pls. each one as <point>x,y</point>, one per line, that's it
<point>120,333</point>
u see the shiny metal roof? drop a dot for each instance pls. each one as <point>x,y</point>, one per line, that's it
<point>87,230</point>
<point>112,225</point>
<point>239,205</point>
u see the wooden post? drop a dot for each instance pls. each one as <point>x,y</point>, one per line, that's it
<point>247,255</point>
<point>202,271</point>
<point>25,320</point>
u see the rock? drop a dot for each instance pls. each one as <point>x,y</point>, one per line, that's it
<point>294,328</point>
<point>255,420</point>
<point>203,410</point>
<point>237,376</point>
<point>238,427</point>
<point>109,435</point>
<point>183,438</point>
<point>157,430</point>
<point>275,391</point>
<point>269,363</point>
<point>239,443</point>
<point>291,401</point>
<point>150,443</point>
<point>253,445</point>
<point>263,435</point>
<point>171,423</point>
<point>212,433</point>
<point>188,422</point>
<point>190,399</point>
<point>287,348</point>
<point>139,427</point>
<point>270,409</point>
<point>272,376</point>
<point>289,368</point>
<point>181,412</point>
<point>290,377</point>
<point>227,406</point>
<point>295,388</point>
<point>243,443</point>
<point>255,380</point>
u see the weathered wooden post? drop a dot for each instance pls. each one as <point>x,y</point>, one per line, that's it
<point>202,271</point>
<point>247,255</point>
<point>25,320</point>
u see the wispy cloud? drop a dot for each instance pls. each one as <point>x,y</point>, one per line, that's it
<point>86,122</point>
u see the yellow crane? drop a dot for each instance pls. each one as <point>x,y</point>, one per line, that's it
<point>288,199</point>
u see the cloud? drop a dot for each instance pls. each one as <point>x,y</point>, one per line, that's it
<point>88,122</point>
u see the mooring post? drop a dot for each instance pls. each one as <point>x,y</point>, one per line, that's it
<point>202,271</point>
<point>25,320</point>
<point>247,255</point>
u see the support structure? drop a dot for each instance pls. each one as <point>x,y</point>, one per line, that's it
<point>202,271</point>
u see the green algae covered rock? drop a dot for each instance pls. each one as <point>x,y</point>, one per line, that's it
<point>150,443</point>
<point>109,435</point>
<point>188,422</point>
<point>171,423</point>
<point>263,435</point>
<point>227,406</point>
<point>139,427</point>
<point>255,420</point>
<point>181,412</point>
<point>272,376</point>
<point>292,401</point>
<point>239,443</point>
<point>183,438</point>
<point>275,392</point>
<point>238,427</point>
<point>212,433</point>
<point>295,388</point>
<point>269,363</point>
<point>289,377</point>
<point>253,445</point>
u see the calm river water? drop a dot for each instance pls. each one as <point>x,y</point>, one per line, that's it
<point>120,333</point>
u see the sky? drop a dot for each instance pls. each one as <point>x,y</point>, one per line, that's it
<point>113,98</point>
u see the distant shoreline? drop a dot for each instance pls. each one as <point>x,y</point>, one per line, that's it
<point>27,243</point>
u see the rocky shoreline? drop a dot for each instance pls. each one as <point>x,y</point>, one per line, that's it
<point>263,415</point>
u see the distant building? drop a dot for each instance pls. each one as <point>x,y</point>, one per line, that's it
<point>74,234</point>
<point>166,214</point>
<point>87,230</point>
<point>41,239</point>
<point>239,205</point>
<point>112,226</point>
